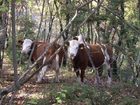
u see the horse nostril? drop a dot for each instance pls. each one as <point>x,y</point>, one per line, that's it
<point>72,55</point>
<point>23,52</point>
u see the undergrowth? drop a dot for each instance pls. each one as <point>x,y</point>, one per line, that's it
<point>77,94</point>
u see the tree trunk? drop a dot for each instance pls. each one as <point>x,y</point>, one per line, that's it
<point>40,24</point>
<point>14,42</point>
<point>98,13</point>
<point>3,34</point>
<point>138,5</point>
<point>60,21</point>
<point>67,17</point>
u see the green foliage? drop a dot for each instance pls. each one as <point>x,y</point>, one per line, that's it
<point>83,94</point>
<point>3,8</point>
<point>35,101</point>
<point>76,94</point>
<point>128,100</point>
<point>9,50</point>
<point>66,9</point>
<point>80,18</point>
<point>31,102</point>
<point>18,55</point>
<point>27,27</point>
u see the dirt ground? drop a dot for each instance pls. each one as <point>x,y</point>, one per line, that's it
<point>32,90</point>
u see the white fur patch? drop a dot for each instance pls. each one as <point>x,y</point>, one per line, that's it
<point>73,48</point>
<point>57,58</point>
<point>26,46</point>
<point>109,80</point>
<point>41,74</point>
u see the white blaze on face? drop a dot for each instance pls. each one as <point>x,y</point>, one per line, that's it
<point>26,46</point>
<point>80,39</point>
<point>73,48</point>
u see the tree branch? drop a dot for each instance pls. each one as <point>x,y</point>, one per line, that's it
<point>120,19</point>
<point>23,79</point>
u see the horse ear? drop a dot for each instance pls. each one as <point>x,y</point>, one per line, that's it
<point>75,38</point>
<point>20,42</point>
<point>81,46</point>
<point>66,44</point>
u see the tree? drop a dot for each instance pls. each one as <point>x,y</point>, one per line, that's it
<point>3,29</point>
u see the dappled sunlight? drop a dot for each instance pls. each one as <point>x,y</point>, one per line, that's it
<point>43,34</point>
<point>68,90</point>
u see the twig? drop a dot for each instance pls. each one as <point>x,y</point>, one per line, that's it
<point>22,79</point>
<point>92,12</point>
<point>120,19</point>
<point>79,7</point>
<point>40,24</point>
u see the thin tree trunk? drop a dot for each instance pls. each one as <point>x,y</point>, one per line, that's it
<point>60,21</point>
<point>98,23</point>
<point>67,18</point>
<point>40,24</point>
<point>3,35</point>
<point>51,19</point>
<point>138,6</point>
<point>122,33</point>
<point>88,27</point>
<point>14,41</point>
<point>92,34</point>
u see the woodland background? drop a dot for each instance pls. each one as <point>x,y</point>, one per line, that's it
<point>106,21</point>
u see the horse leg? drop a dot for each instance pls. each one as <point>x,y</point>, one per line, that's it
<point>41,74</point>
<point>82,75</point>
<point>57,70</point>
<point>57,73</point>
<point>97,78</point>
<point>77,74</point>
<point>109,75</point>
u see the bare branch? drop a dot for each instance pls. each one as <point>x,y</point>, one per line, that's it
<point>120,19</point>
<point>23,79</point>
<point>92,12</point>
<point>40,24</point>
<point>79,7</point>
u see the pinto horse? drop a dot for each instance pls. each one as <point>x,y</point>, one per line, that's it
<point>37,49</point>
<point>80,54</point>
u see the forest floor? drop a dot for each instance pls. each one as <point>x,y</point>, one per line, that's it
<point>68,91</point>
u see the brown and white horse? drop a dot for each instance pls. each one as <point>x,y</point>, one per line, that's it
<point>38,49</point>
<point>79,52</point>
